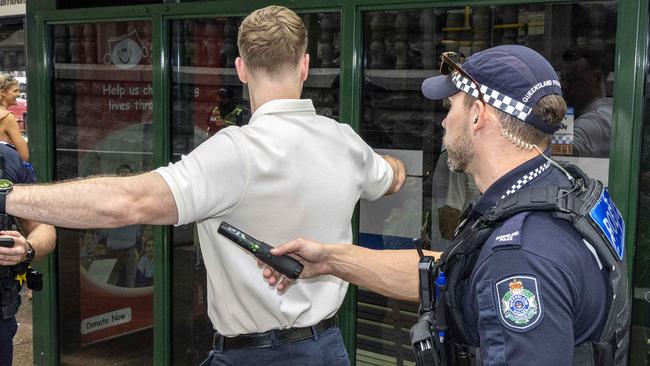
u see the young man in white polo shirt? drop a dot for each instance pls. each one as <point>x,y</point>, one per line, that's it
<point>288,173</point>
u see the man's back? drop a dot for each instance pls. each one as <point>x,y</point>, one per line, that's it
<point>288,173</point>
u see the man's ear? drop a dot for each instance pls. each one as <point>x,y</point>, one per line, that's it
<point>240,66</point>
<point>478,115</point>
<point>304,67</point>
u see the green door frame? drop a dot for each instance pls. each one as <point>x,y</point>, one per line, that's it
<point>631,44</point>
<point>44,304</point>
<point>631,62</point>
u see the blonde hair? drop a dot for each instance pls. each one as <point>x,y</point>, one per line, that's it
<point>272,39</point>
<point>7,81</point>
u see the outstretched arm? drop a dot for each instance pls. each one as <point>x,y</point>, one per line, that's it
<point>392,273</point>
<point>96,202</point>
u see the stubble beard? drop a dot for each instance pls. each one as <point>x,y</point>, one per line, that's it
<point>460,152</point>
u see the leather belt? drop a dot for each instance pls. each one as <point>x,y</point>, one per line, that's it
<point>271,337</point>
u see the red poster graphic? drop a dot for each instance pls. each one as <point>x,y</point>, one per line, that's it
<point>113,124</point>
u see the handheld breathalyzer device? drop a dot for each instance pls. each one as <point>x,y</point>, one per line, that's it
<point>284,264</point>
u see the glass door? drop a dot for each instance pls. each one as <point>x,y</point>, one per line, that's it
<point>102,107</point>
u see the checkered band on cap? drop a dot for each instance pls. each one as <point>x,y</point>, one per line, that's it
<point>492,97</point>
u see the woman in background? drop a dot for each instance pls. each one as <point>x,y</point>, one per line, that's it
<point>9,130</point>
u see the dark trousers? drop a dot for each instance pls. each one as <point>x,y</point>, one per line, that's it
<point>325,349</point>
<point>8,329</point>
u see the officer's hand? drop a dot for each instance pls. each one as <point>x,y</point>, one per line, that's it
<point>312,254</point>
<point>16,254</point>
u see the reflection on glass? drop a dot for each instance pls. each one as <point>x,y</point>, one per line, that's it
<point>103,118</point>
<point>400,49</point>
<point>207,96</point>
<point>584,76</point>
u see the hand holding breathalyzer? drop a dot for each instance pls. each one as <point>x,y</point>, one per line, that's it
<point>313,255</point>
<point>281,263</point>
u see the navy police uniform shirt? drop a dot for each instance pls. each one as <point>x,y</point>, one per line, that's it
<point>16,170</point>
<point>537,289</point>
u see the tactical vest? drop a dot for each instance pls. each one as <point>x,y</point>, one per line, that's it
<point>10,288</point>
<point>9,285</point>
<point>586,205</point>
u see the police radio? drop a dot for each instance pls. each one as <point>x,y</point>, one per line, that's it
<point>284,264</point>
<point>427,336</point>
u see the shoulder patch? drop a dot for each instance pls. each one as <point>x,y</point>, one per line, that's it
<point>520,308</point>
<point>510,232</point>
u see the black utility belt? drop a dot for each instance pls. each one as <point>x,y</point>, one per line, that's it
<point>272,337</point>
<point>32,277</point>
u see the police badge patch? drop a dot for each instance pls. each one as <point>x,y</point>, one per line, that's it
<point>520,308</point>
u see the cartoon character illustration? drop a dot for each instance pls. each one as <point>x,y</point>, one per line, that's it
<point>125,51</point>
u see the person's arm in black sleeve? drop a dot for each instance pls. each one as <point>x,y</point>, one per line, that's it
<point>524,306</point>
<point>525,292</point>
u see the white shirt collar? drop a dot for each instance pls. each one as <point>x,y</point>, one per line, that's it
<point>283,106</point>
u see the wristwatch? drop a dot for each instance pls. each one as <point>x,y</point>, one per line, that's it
<point>31,252</point>
<point>5,187</point>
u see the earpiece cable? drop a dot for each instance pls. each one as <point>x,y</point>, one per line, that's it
<point>529,147</point>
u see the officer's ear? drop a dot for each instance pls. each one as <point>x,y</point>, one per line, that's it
<point>477,113</point>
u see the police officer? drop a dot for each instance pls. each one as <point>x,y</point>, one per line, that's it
<point>535,292</point>
<point>14,260</point>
